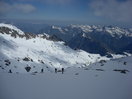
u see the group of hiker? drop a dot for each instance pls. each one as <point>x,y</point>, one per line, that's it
<point>56,70</point>
<point>62,70</point>
<point>42,70</point>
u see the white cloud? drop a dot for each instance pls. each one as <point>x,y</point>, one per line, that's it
<point>25,8</point>
<point>6,8</point>
<point>113,9</point>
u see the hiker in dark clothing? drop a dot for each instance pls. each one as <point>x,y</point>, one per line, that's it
<point>62,70</point>
<point>55,70</point>
<point>42,70</point>
<point>10,71</point>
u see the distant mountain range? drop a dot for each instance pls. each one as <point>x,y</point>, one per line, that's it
<point>94,39</point>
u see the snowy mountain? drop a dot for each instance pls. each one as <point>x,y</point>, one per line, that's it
<point>84,36</point>
<point>86,76</point>
<point>22,52</point>
<point>111,30</point>
<point>73,30</point>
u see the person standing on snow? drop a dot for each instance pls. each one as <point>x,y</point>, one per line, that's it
<point>62,70</point>
<point>55,70</point>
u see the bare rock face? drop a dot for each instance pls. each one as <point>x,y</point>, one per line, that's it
<point>27,59</point>
<point>7,62</point>
<point>124,71</point>
<point>28,68</point>
<point>12,32</point>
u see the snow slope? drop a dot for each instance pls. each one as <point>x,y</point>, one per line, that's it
<point>40,53</point>
<point>96,81</point>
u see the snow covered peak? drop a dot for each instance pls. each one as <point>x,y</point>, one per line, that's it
<point>117,31</point>
<point>43,35</point>
<point>107,29</point>
<point>85,28</point>
<point>12,28</point>
<point>84,35</point>
<point>57,28</point>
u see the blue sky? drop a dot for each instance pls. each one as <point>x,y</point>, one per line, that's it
<point>80,11</point>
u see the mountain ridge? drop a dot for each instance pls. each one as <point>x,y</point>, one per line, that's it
<point>112,38</point>
<point>41,52</point>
